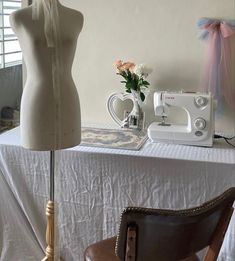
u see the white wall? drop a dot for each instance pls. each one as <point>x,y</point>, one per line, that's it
<point>161,33</point>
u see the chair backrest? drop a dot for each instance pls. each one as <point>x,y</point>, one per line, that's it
<point>169,235</point>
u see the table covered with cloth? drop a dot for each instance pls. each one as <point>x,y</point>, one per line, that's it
<point>95,185</point>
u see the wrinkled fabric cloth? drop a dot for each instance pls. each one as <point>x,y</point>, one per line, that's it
<point>97,183</point>
<point>17,240</point>
<point>219,77</point>
<point>51,19</point>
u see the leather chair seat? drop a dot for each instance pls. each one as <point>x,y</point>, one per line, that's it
<point>105,249</point>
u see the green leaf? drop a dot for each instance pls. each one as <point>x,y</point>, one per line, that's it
<point>140,81</point>
<point>142,96</point>
<point>145,83</point>
<point>129,85</point>
<point>129,73</point>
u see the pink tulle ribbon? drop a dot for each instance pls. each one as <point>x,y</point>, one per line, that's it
<point>219,75</point>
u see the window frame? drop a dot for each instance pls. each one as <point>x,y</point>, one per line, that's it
<point>3,36</point>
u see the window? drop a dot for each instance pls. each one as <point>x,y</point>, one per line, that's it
<point>10,52</point>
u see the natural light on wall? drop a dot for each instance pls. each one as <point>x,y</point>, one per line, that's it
<point>10,52</point>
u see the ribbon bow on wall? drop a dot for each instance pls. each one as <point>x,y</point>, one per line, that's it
<point>220,78</point>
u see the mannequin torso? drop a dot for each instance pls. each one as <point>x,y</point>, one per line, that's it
<point>38,105</point>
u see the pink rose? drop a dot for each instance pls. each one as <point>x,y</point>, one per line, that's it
<point>128,66</point>
<point>118,63</point>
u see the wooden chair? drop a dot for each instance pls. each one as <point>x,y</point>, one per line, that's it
<point>167,235</point>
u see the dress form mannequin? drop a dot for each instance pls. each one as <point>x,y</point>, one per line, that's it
<point>43,125</point>
<point>38,105</point>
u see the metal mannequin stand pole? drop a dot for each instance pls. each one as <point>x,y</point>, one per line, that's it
<point>50,212</point>
<point>52,175</point>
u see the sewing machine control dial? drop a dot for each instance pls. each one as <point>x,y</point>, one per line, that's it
<point>200,124</point>
<point>201,101</point>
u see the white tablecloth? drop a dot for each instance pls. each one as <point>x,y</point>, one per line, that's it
<point>96,184</point>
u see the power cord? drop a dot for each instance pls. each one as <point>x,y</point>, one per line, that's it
<point>227,139</point>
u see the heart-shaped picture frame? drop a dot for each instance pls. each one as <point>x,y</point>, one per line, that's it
<point>110,104</point>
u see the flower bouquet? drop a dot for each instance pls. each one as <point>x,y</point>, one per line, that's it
<point>134,77</point>
<point>135,83</point>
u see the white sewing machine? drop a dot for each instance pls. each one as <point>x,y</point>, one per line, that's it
<point>199,129</point>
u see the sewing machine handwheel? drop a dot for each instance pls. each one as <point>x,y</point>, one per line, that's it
<point>200,124</point>
<point>201,101</point>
